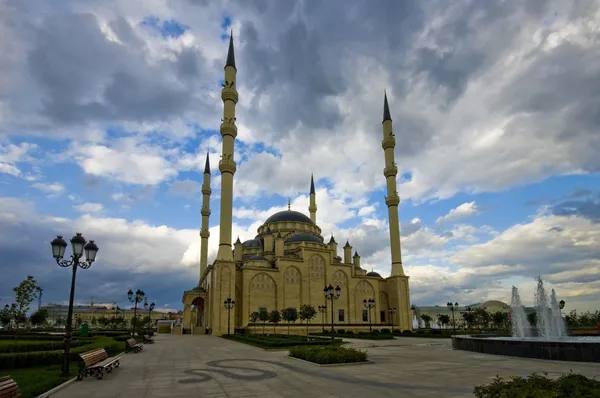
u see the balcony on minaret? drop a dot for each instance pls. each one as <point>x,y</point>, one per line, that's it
<point>227,165</point>
<point>388,142</point>
<point>228,127</point>
<point>206,190</point>
<point>204,233</point>
<point>205,212</point>
<point>390,171</point>
<point>229,93</point>
<point>393,199</point>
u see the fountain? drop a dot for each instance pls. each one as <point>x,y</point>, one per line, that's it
<point>415,322</point>
<point>548,340</point>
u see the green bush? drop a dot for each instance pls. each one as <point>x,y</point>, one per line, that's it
<point>32,345</point>
<point>341,331</point>
<point>39,358</point>
<point>327,355</point>
<point>277,340</point>
<point>385,331</point>
<point>566,386</point>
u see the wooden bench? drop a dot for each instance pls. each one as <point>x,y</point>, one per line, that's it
<point>132,345</point>
<point>95,362</point>
<point>9,388</point>
<point>148,339</point>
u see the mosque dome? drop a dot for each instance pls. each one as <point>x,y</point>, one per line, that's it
<point>288,215</point>
<point>252,243</point>
<point>373,273</point>
<point>304,238</point>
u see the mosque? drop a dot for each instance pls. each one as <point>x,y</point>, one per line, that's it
<point>288,263</point>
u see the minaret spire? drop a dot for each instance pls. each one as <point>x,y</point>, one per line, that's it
<point>392,200</point>
<point>312,207</point>
<point>205,212</point>
<point>227,165</point>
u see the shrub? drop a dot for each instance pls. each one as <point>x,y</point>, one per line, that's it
<point>436,331</point>
<point>566,386</point>
<point>397,331</point>
<point>420,331</point>
<point>350,333</point>
<point>332,354</point>
<point>385,331</point>
<point>32,345</point>
<point>277,340</point>
<point>341,331</point>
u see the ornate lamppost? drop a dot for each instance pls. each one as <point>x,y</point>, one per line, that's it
<point>150,308</point>
<point>370,303</point>
<point>332,294</point>
<point>323,310</point>
<point>391,312</point>
<point>229,304</point>
<point>78,246</point>
<point>137,298</point>
<point>453,307</point>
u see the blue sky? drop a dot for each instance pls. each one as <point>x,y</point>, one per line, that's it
<point>499,175</point>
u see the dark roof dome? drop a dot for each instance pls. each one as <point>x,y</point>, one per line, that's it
<point>252,243</point>
<point>304,238</point>
<point>257,257</point>
<point>373,273</point>
<point>289,215</point>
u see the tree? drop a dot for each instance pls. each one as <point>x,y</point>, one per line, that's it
<point>498,318</point>
<point>254,317</point>
<point>103,321</point>
<point>263,316</point>
<point>427,319</point>
<point>532,319</point>
<point>482,317</point>
<point>307,312</point>
<point>289,315</point>
<point>39,317</point>
<point>444,319</point>
<point>6,316</point>
<point>25,293</point>
<point>274,318</point>
<point>469,318</point>
<point>59,321</point>
<point>94,321</point>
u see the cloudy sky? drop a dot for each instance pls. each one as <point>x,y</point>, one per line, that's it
<point>108,108</point>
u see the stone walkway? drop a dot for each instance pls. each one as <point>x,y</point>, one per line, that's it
<point>207,366</point>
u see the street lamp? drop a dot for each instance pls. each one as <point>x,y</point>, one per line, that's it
<point>323,310</point>
<point>391,312</point>
<point>332,294</point>
<point>78,246</point>
<point>453,307</point>
<point>150,308</point>
<point>137,298</point>
<point>229,304</point>
<point>370,303</point>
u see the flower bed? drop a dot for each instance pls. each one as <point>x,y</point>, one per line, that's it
<point>278,340</point>
<point>329,355</point>
<point>566,386</point>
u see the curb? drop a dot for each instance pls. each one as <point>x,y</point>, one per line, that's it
<point>57,388</point>
<point>329,365</point>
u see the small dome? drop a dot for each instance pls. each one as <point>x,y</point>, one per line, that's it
<point>304,238</point>
<point>373,273</point>
<point>289,215</point>
<point>257,257</point>
<point>252,243</point>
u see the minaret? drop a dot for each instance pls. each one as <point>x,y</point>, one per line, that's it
<point>227,166</point>
<point>392,200</point>
<point>312,207</point>
<point>205,212</point>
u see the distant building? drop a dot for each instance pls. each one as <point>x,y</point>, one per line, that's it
<point>87,312</point>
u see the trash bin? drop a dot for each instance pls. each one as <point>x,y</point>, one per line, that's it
<point>83,330</point>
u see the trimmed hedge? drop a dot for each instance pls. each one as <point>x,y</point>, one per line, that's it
<point>277,340</point>
<point>38,358</point>
<point>566,386</point>
<point>31,345</point>
<point>360,335</point>
<point>327,355</point>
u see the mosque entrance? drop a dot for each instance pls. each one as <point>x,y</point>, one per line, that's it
<point>197,312</point>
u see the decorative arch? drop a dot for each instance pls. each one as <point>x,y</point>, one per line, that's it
<point>317,268</point>
<point>384,305</point>
<point>262,292</point>
<point>340,278</point>
<point>363,290</point>
<point>292,287</point>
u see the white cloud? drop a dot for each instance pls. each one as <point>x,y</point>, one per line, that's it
<point>463,211</point>
<point>54,189</point>
<point>89,207</point>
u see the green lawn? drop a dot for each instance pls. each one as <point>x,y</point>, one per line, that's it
<point>36,381</point>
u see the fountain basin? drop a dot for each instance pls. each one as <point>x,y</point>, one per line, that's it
<point>583,349</point>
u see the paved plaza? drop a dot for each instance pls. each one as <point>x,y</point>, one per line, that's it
<point>207,366</point>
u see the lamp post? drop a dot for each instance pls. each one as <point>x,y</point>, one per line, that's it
<point>332,294</point>
<point>370,303</point>
<point>323,310</point>
<point>469,311</point>
<point>453,307</point>
<point>229,304</point>
<point>78,246</point>
<point>150,308</point>
<point>137,298</point>
<point>391,312</point>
